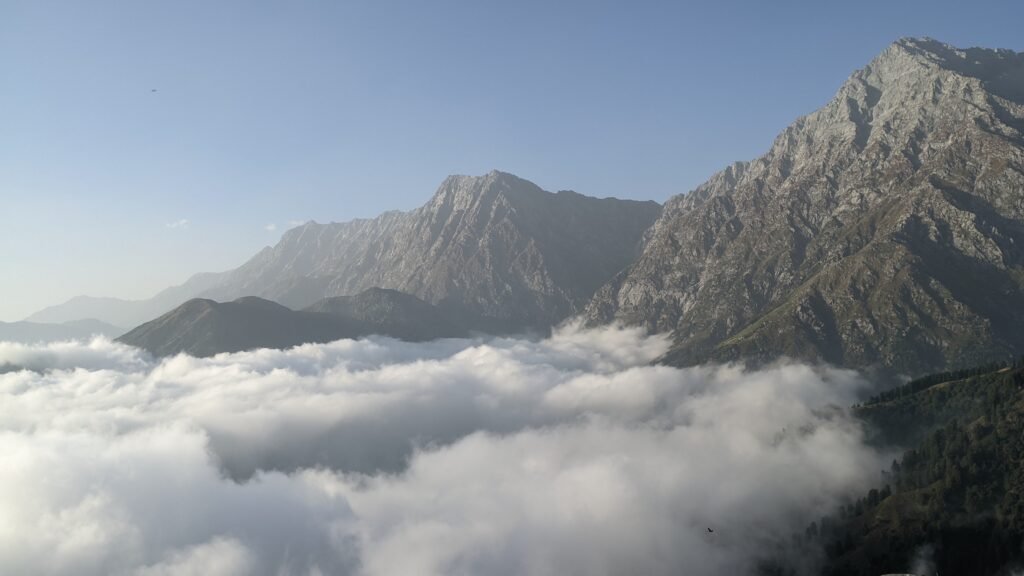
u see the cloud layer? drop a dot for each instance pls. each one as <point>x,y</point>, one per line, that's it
<point>570,455</point>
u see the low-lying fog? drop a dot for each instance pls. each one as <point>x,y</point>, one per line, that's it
<point>571,455</point>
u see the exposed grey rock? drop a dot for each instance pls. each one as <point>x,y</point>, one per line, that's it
<point>883,229</point>
<point>494,246</point>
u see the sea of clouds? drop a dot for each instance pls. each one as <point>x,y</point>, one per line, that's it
<point>563,456</point>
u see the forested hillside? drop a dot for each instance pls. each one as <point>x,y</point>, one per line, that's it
<point>952,504</point>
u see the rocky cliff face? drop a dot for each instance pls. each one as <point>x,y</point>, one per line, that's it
<point>495,246</point>
<point>884,229</point>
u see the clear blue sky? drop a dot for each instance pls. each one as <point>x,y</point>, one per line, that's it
<point>271,112</point>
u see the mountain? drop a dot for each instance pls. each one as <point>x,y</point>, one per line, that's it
<point>493,247</point>
<point>885,229</point>
<point>122,312</point>
<point>36,332</point>
<point>395,314</point>
<point>203,327</point>
<point>954,502</point>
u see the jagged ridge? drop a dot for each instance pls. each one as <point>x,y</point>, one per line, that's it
<point>495,246</point>
<point>883,229</point>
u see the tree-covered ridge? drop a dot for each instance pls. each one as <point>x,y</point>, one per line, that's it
<point>906,415</point>
<point>925,382</point>
<point>953,504</point>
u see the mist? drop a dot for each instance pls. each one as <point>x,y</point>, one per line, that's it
<point>568,455</point>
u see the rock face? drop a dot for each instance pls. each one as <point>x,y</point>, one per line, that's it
<point>885,229</point>
<point>494,246</point>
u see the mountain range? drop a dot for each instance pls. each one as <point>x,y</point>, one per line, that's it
<point>495,247</point>
<point>883,230</point>
<point>203,327</point>
<point>121,312</point>
<point>35,332</point>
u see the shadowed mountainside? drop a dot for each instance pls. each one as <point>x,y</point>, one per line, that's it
<point>202,327</point>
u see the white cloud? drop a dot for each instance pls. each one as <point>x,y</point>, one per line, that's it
<point>505,456</point>
<point>270,227</point>
<point>183,223</point>
<point>218,557</point>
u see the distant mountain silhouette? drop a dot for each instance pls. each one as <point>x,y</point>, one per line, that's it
<point>120,312</point>
<point>38,332</point>
<point>203,327</point>
<point>495,247</point>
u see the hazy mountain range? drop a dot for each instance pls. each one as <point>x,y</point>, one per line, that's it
<point>122,312</point>
<point>884,229</point>
<point>494,246</point>
<point>34,332</point>
<point>202,327</point>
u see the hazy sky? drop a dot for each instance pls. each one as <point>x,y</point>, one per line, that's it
<point>267,113</point>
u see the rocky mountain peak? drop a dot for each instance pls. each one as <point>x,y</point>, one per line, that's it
<point>983,63</point>
<point>494,246</point>
<point>916,63</point>
<point>849,240</point>
<point>459,192</point>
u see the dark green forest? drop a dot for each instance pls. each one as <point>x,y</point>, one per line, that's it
<point>954,503</point>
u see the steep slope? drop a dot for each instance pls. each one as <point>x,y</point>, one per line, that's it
<point>203,328</point>
<point>34,332</point>
<point>396,314</point>
<point>884,229</point>
<point>956,499</point>
<point>495,246</point>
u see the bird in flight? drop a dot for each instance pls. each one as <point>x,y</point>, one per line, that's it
<point>153,90</point>
<point>710,531</point>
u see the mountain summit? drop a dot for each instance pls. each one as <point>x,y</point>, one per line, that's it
<point>883,229</point>
<point>494,246</point>
<point>495,251</point>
